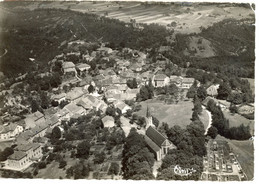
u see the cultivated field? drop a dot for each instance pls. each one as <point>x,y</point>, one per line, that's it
<point>236,120</point>
<point>244,151</point>
<point>188,18</point>
<point>173,114</point>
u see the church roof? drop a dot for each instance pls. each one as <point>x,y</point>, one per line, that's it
<point>155,136</point>
<point>151,144</point>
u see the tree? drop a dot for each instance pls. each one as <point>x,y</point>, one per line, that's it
<point>235,98</point>
<point>201,93</point>
<point>91,89</point>
<point>6,153</point>
<point>131,83</point>
<point>99,158</point>
<point>56,133</point>
<point>223,91</point>
<point>150,89</point>
<point>83,149</point>
<point>212,132</point>
<point>35,106</point>
<point>41,165</point>
<point>136,156</point>
<point>197,105</point>
<point>191,92</point>
<point>144,93</point>
<point>111,111</point>
<point>62,164</point>
<point>233,108</point>
<point>113,169</point>
<point>195,116</point>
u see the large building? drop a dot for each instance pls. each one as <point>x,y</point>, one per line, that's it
<point>24,155</point>
<point>157,142</point>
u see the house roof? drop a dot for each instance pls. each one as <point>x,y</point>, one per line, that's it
<point>151,144</point>
<point>155,136</point>
<point>59,96</point>
<point>75,93</point>
<point>73,108</point>
<point>9,128</point>
<point>175,78</point>
<point>164,48</point>
<point>188,80</point>
<point>133,91</point>
<point>120,105</point>
<point>98,77</point>
<point>82,66</point>
<point>40,139</point>
<point>212,90</point>
<point>108,121</point>
<point>136,66</point>
<point>160,77</point>
<point>85,103</point>
<point>119,80</point>
<point>17,155</point>
<point>23,147</point>
<point>66,65</point>
<point>53,119</point>
<point>38,115</point>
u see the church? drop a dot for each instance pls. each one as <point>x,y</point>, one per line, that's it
<point>157,142</point>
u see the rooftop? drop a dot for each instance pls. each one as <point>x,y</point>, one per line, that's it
<point>160,77</point>
<point>155,136</point>
<point>17,155</point>
<point>151,144</point>
<point>188,80</point>
<point>67,65</point>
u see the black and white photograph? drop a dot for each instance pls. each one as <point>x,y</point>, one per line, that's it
<point>127,90</point>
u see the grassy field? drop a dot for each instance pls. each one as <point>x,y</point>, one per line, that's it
<point>244,150</point>
<point>52,170</point>
<point>174,114</point>
<point>236,120</point>
<point>188,18</point>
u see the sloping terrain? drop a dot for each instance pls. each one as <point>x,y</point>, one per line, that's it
<point>189,17</point>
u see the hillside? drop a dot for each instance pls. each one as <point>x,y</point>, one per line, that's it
<point>41,31</point>
<point>227,43</point>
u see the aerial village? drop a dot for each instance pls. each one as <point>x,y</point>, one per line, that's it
<point>102,94</point>
<point>84,94</point>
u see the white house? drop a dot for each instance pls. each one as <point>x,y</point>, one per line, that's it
<point>160,80</point>
<point>10,131</point>
<point>108,121</point>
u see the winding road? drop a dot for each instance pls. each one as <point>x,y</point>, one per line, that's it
<point>210,119</point>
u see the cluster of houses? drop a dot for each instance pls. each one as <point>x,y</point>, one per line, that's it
<point>29,132</point>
